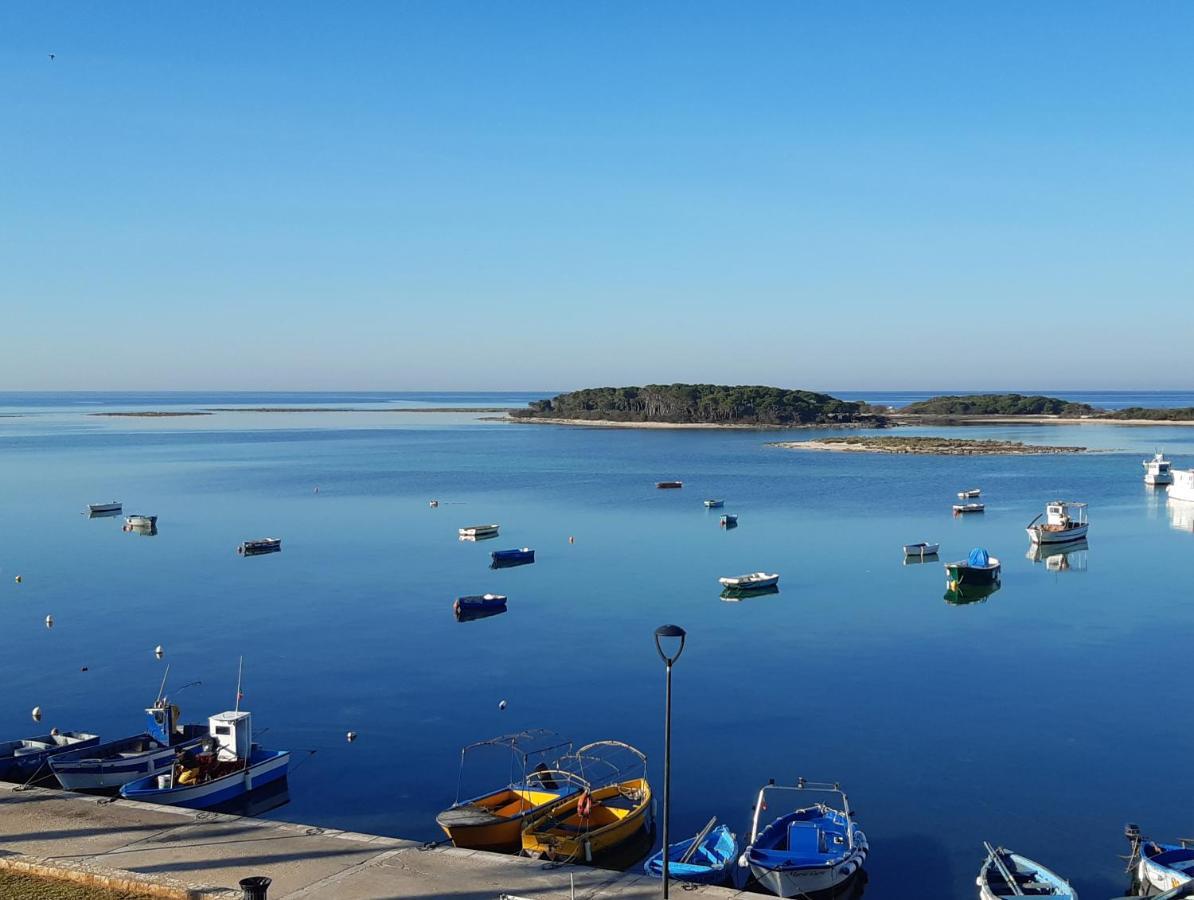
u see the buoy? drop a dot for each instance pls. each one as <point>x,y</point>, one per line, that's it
<point>501,704</point>
<point>352,736</point>
<point>158,651</point>
<point>37,714</point>
<point>18,579</point>
<point>571,539</point>
<point>49,621</point>
<point>434,504</point>
<point>82,668</point>
<point>317,490</point>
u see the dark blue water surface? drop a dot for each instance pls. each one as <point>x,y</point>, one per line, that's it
<point>1040,719</point>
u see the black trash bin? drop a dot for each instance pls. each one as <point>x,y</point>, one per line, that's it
<point>255,888</point>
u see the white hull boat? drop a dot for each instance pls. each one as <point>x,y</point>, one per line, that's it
<point>970,494</point>
<point>101,509</point>
<point>1183,485</point>
<point>960,508</point>
<point>474,531</point>
<point>1158,470</point>
<point>1065,521</point>
<point>1007,875</point>
<point>138,521</point>
<point>921,549</point>
<point>753,582</point>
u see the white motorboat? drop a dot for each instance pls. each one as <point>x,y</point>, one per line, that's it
<point>970,494</point>
<point>101,509</point>
<point>752,582</point>
<point>139,521</point>
<point>1183,485</point>
<point>1158,470</point>
<point>475,531</point>
<point>921,549</point>
<point>714,504</point>
<point>1065,520</point>
<point>960,508</point>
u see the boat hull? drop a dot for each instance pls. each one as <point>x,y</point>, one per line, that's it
<point>1029,869</point>
<point>26,761</point>
<point>1156,874</point>
<point>745,584</point>
<point>1041,535</point>
<point>921,549</point>
<point>958,574</point>
<point>710,864</point>
<point>265,767</point>
<point>547,835</point>
<point>498,818</point>
<point>106,774</point>
<point>796,882</point>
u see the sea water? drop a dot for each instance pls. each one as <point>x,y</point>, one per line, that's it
<point>1042,718</point>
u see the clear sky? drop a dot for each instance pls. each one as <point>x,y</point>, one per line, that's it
<point>517,195</point>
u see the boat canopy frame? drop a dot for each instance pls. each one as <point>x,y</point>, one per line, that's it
<point>802,786</point>
<point>518,744</point>
<point>603,763</point>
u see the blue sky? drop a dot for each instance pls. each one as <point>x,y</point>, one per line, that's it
<point>519,195</point>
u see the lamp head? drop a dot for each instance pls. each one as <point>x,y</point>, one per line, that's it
<point>669,633</point>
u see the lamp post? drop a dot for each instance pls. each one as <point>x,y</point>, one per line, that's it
<point>668,632</point>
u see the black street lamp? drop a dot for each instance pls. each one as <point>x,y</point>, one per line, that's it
<point>668,632</point>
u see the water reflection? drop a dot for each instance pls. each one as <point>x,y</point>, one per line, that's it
<point>1060,557</point>
<point>103,513</point>
<point>1181,514</point>
<point>470,615</point>
<point>917,560</point>
<point>733,595</point>
<point>259,801</point>
<point>970,593</point>
<point>473,538</point>
<point>146,530</point>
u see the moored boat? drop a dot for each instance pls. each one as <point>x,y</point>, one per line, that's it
<point>813,848</point>
<point>140,521</point>
<point>753,582</point>
<point>962,508</point>
<point>666,485</point>
<point>598,819</point>
<point>259,546</point>
<point>1065,520</point>
<point>970,494</point>
<point>111,508</point>
<point>505,558</point>
<point>922,548</point>
<point>729,520</point>
<point>1182,487</point>
<point>494,820</point>
<point>977,568</point>
<point>1157,866</point>
<point>705,858</point>
<point>476,531</point>
<point>479,603</point>
<point>111,764</point>
<point>23,759</point>
<point>1005,874</point>
<point>226,766</point>
<point>715,504</point>
<point>1158,470</point>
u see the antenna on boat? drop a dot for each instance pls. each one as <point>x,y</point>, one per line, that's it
<point>162,689</point>
<point>240,668</point>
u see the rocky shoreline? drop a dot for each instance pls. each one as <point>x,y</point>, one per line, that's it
<point>926,446</point>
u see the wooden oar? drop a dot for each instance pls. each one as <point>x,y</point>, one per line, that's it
<point>1003,870</point>
<point>696,841</point>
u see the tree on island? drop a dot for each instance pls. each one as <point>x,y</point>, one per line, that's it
<point>998,405</point>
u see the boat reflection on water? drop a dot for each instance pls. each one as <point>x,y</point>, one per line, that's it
<point>145,530</point>
<point>257,802</point>
<point>103,513</point>
<point>1064,558</point>
<point>733,595</point>
<point>964,594</point>
<point>469,615</point>
<point>1181,514</point>
<point>473,538</point>
<point>917,560</point>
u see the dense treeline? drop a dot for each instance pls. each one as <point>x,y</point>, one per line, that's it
<point>1177,414</point>
<point>699,404</point>
<point>998,405</point>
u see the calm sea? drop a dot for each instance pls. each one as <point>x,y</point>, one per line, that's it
<point>1039,719</point>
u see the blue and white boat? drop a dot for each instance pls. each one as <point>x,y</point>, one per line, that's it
<point>705,858</point>
<point>714,504</point>
<point>479,603</point>
<point>108,765</point>
<point>518,557</point>
<point>22,759</point>
<point>813,848</point>
<point>729,520</point>
<point>1163,867</point>
<point>1005,874</point>
<point>227,767</point>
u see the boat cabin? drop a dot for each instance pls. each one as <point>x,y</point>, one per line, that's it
<point>1064,514</point>
<point>161,722</point>
<point>233,735</point>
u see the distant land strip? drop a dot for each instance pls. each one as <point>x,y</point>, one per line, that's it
<point>926,446</point>
<point>302,409</point>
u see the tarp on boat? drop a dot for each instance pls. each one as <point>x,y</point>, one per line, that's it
<point>979,558</point>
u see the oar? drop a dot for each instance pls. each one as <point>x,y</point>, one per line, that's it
<point>696,841</point>
<point>1007,876</point>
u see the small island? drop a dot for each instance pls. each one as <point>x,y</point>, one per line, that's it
<point>698,405</point>
<point>926,446</point>
<point>998,405</point>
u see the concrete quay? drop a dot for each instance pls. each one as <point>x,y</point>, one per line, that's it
<point>172,852</point>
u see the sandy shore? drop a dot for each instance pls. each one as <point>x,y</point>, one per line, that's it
<point>927,447</point>
<point>899,419</point>
<point>606,423</point>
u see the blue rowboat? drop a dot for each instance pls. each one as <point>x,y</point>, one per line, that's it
<point>227,766</point>
<point>113,763</point>
<point>479,602</point>
<point>20,760</point>
<point>709,863</point>
<point>1008,875</point>
<point>503,558</point>
<point>1165,866</point>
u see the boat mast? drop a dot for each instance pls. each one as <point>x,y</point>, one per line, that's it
<point>240,668</point>
<point>162,688</point>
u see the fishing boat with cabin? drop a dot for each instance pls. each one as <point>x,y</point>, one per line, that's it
<point>494,820</point>
<point>614,808</point>
<point>23,759</point>
<point>141,521</point>
<point>1065,520</point>
<point>706,858</point>
<point>979,567</point>
<point>1158,470</point>
<point>1183,485</point>
<point>505,559</point>
<point>813,848</point>
<point>1005,875</point>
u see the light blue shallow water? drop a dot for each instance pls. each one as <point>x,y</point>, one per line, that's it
<point>1041,719</point>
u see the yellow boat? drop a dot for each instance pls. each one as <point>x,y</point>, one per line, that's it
<point>594,821</point>
<point>494,821</point>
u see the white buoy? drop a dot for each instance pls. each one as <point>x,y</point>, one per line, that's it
<point>501,704</point>
<point>434,504</point>
<point>18,579</point>
<point>158,651</point>
<point>571,539</point>
<point>37,714</point>
<point>49,621</point>
<point>352,736</point>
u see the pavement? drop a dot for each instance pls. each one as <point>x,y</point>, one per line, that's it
<point>194,854</point>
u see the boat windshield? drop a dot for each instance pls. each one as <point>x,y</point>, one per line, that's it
<point>525,752</point>
<point>603,763</point>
